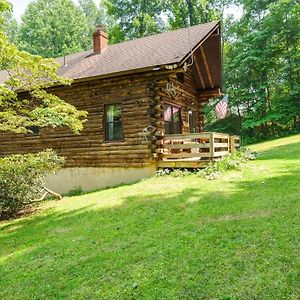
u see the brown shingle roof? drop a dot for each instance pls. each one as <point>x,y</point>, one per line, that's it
<point>148,52</point>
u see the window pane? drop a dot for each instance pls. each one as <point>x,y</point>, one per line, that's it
<point>192,121</point>
<point>176,114</point>
<point>176,127</point>
<point>113,113</point>
<point>168,113</point>
<point>114,131</point>
<point>35,130</point>
<point>172,119</point>
<point>168,128</point>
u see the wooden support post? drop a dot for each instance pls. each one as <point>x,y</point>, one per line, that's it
<point>228,143</point>
<point>232,147</point>
<point>199,72</point>
<point>207,67</point>
<point>212,146</point>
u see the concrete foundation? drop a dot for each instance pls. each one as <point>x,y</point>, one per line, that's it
<point>89,179</point>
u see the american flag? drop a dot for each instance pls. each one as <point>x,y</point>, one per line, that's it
<point>168,114</point>
<point>221,108</point>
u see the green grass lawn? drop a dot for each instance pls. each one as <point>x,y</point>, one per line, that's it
<point>236,237</point>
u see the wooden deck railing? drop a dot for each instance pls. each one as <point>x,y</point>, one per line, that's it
<point>195,149</point>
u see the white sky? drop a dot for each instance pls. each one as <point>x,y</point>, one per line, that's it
<point>19,7</point>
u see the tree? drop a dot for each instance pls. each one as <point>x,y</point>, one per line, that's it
<point>136,18</point>
<point>262,67</point>
<point>98,16</point>
<point>54,28</point>
<point>33,75</point>
<point>182,13</point>
<point>90,11</point>
<point>9,25</point>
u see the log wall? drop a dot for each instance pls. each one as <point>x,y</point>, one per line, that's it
<point>184,95</point>
<point>140,96</point>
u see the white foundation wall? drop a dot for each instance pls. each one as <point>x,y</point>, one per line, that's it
<point>89,179</point>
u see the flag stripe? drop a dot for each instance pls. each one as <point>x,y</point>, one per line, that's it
<point>221,108</point>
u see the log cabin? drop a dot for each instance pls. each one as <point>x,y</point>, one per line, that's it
<point>144,100</point>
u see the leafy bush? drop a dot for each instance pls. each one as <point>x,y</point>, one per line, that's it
<point>214,170</point>
<point>21,179</point>
<point>77,191</point>
<point>232,161</point>
<point>163,172</point>
<point>174,172</point>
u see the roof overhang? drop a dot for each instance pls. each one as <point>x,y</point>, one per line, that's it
<point>205,61</point>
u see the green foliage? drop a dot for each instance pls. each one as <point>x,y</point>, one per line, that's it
<point>230,125</point>
<point>90,11</point>
<point>233,161</point>
<point>35,106</point>
<point>21,179</point>
<point>262,74</point>
<point>94,16</point>
<point>54,28</point>
<point>9,25</point>
<point>182,13</point>
<point>135,18</point>
<point>174,172</point>
<point>75,192</point>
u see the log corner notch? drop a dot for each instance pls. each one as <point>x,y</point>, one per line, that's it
<point>155,112</point>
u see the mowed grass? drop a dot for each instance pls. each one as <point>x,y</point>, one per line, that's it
<point>166,238</point>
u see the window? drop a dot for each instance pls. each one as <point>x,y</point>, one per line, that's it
<point>113,122</point>
<point>172,119</point>
<point>35,130</point>
<point>192,121</point>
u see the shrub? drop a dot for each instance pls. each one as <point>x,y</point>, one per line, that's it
<point>21,179</point>
<point>77,191</point>
<point>214,170</point>
<point>163,172</point>
<point>232,161</point>
<point>174,172</point>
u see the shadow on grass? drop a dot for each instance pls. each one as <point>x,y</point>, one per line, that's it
<point>235,244</point>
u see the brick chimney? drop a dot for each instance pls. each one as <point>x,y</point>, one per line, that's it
<point>100,39</point>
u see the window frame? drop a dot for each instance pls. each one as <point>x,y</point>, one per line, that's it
<point>194,114</point>
<point>172,122</point>
<point>105,122</point>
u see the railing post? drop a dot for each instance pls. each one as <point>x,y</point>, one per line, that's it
<point>232,147</point>
<point>228,143</point>
<point>239,143</point>
<point>212,146</point>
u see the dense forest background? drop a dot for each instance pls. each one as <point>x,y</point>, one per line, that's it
<point>261,49</point>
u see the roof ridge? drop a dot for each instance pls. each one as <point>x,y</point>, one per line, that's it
<point>168,31</point>
<point>145,37</point>
<point>169,47</point>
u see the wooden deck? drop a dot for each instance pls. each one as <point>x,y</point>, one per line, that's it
<point>195,150</point>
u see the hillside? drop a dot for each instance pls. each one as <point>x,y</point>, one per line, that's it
<point>165,238</point>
